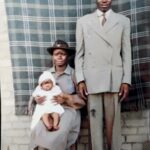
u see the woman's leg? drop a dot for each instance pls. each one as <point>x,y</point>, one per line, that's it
<point>67,124</point>
<point>47,121</point>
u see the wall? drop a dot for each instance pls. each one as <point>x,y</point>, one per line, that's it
<point>135,131</point>
<point>15,129</point>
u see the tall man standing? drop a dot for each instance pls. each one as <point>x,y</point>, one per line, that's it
<point>103,70</point>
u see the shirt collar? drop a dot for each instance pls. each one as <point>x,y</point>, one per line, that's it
<point>66,71</point>
<point>100,13</point>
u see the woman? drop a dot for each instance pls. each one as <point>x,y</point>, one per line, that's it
<point>69,126</point>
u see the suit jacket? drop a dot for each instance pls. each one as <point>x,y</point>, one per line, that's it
<point>103,54</point>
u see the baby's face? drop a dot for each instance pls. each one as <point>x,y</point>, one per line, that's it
<point>47,85</point>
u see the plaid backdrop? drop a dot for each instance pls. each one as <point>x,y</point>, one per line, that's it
<point>35,25</point>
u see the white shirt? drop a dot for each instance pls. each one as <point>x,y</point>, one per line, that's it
<point>100,15</point>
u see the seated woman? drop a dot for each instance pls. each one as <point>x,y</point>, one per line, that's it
<point>69,125</point>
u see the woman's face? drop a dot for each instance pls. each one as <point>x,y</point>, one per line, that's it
<point>60,57</point>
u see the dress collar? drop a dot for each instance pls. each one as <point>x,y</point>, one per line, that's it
<point>66,71</point>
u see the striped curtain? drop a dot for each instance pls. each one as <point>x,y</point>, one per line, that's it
<point>35,25</point>
<point>138,11</point>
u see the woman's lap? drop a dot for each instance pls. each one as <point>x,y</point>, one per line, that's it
<point>57,140</point>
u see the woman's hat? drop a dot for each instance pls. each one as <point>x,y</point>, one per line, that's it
<point>60,44</point>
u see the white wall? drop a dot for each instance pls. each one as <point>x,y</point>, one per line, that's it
<point>15,129</point>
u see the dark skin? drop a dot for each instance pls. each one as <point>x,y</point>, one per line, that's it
<point>104,6</point>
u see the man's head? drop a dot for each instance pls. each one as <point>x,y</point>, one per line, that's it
<point>103,5</point>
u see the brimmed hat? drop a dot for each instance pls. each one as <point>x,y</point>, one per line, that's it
<point>60,44</point>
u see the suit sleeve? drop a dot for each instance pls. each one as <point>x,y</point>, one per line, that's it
<point>126,52</point>
<point>79,53</point>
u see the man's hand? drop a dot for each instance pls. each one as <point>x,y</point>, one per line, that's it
<point>39,99</point>
<point>124,91</point>
<point>83,90</point>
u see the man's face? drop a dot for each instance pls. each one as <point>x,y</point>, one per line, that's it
<point>103,5</point>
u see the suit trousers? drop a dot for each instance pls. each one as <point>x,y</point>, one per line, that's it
<point>104,106</point>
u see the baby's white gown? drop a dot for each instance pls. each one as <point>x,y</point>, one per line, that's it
<point>48,106</point>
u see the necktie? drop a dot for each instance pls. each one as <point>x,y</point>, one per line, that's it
<point>103,19</point>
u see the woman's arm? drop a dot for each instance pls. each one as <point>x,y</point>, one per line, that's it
<point>74,101</point>
<point>77,102</point>
<point>71,100</point>
<point>31,106</point>
<point>33,101</point>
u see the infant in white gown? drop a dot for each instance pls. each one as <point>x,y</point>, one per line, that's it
<point>48,111</point>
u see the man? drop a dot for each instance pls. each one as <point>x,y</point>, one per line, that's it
<point>103,70</point>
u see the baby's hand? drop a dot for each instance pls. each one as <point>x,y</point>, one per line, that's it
<point>40,99</point>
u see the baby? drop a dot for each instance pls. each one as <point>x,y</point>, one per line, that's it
<point>49,112</point>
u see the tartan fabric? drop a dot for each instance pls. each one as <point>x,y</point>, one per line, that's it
<point>138,11</point>
<point>35,25</point>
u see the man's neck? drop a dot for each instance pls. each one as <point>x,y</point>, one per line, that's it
<point>104,11</point>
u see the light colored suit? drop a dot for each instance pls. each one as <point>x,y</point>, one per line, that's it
<point>103,61</point>
<point>103,56</point>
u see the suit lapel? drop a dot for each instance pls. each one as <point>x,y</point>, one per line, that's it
<point>111,22</point>
<point>102,32</point>
<point>95,25</point>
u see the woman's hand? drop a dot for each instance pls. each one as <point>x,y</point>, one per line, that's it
<point>39,99</point>
<point>62,98</point>
<point>73,101</point>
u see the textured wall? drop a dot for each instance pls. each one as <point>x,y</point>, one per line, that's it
<point>35,25</point>
<point>138,11</point>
